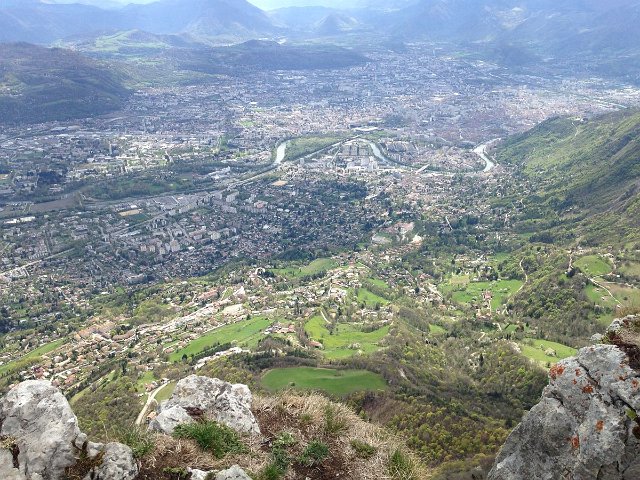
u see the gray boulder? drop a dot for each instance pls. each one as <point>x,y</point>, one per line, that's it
<point>7,470</point>
<point>584,426</point>
<point>38,416</point>
<point>221,401</point>
<point>117,463</point>
<point>233,473</point>
<point>169,418</point>
<point>198,474</point>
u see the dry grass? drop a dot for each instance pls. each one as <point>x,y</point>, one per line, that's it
<point>305,417</point>
<point>173,452</point>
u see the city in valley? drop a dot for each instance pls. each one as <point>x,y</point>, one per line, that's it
<point>398,218</point>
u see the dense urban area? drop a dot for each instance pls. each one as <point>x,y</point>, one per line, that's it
<point>368,231</point>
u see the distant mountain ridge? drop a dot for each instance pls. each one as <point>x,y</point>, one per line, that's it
<point>40,84</point>
<point>257,55</point>
<point>515,33</point>
<point>545,23</point>
<point>206,17</point>
<point>38,22</point>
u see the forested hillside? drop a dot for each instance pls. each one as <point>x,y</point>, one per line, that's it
<point>583,177</point>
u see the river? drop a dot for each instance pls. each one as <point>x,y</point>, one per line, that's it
<point>481,151</point>
<point>280,153</point>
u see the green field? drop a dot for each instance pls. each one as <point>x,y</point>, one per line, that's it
<point>144,379</point>
<point>300,147</point>
<point>627,296</point>
<point>370,299</point>
<point>319,265</point>
<point>378,283</point>
<point>593,265</point>
<point>337,345</point>
<point>535,352</point>
<point>630,268</point>
<point>333,382</point>
<point>244,333</point>
<point>436,329</point>
<point>166,392</point>
<point>599,296</point>
<point>468,292</point>
<point>33,355</point>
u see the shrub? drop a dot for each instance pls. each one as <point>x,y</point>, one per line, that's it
<point>306,419</point>
<point>176,473</point>
<point>362,449</point>
<point>211,436</point>
<point>315,453</point>
<point>401,466</point>
<point>281,458</point>
<point>334,423</point>
<point>284,439</point>
<point>270,472</point>
<point>140,441</point>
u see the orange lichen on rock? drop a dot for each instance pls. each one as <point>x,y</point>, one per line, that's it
<point>600,425</point>
<point>556,371</point>
<point>587,389</point>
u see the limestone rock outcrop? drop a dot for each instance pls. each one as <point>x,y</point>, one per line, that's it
<point>117,463</point>
<point>233,473</point>
<point>586,424</point>
<point>41,438</point>
<point>223,402</point>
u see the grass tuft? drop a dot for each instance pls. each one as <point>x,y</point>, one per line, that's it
<point>334,423</point>
<point>363,449</point>
<point>401,466</point>
<point>212,437</point>
<point>140,441</point>
<point>314,454</point>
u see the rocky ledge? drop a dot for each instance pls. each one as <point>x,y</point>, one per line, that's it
<point>40,438</point>
<point>586,425</point>
<point>220,401</point>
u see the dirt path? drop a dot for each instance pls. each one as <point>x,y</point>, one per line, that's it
<point>151,398</point>
<point>526,278</point>
<point>597,284</point>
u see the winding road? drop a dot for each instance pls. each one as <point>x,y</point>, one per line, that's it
<point>152,397</point>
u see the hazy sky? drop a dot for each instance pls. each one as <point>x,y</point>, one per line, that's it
<point>271,4</point>
<point>264,4</point>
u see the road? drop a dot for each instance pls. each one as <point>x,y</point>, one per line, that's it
<point>597,284</point>
<point>526,278</point>
<point>152,397</point>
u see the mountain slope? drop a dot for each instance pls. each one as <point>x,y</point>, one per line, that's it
<point>605,33</point>
<point>39,84</point>
<point>587,171</point>
<point>130,43</point>
<point>37,22</point>
<point>264,55</point>
<point>200,17</point>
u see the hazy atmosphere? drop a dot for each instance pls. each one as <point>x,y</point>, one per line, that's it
<point>319,240</point>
